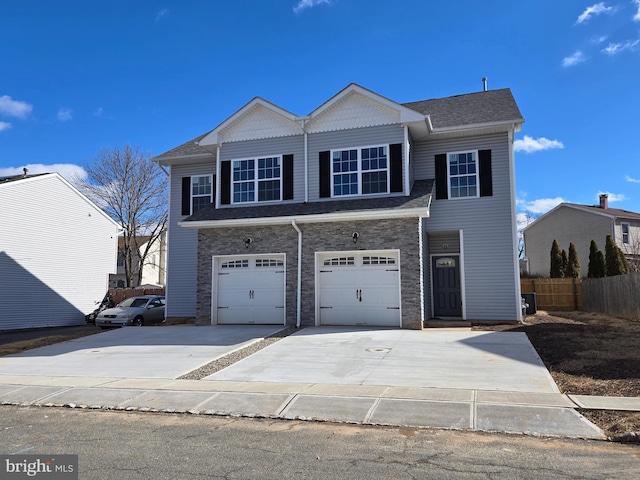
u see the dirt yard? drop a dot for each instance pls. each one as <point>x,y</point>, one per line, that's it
<point>588,354</point>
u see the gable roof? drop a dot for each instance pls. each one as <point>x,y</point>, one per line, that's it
<point>480,108</point>
<point>612,212</point>
<point>492,107</point>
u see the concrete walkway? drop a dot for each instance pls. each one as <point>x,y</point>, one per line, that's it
<point>488,381</point>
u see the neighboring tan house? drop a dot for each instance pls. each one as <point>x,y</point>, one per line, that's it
<point>57,249</point>
<point>570,222</point>
<point>364,212</point>
<point>154,268</point>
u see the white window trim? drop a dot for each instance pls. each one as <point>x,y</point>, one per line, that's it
<point>256,180</point>
<point>192,196</point>
<point>477,195</point>
<point>622,225</point>
<point>359,172</point>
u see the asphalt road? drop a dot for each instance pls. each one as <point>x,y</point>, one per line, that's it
<point>131,446</point>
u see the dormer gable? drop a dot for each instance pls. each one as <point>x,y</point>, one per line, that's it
<point>357,107</point>
<point>259,119</point>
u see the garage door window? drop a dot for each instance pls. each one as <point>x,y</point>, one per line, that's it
<point>337,261</point>
<point>378,261</point>
<point>235,264</point>
<point>268,262</point>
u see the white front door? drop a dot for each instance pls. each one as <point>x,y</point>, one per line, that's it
<point>359,288</point>
<point>250,290</point>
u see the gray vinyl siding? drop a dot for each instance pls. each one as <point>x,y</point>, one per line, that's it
<point>56,252</point>
<point>489,244</point>
<point>444,243</point>
<point>271,146</point>
<point>357,137</point>
<point>564,224</point>
<point>182,245</point>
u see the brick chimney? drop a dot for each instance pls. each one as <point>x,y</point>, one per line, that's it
<point>604,201</point>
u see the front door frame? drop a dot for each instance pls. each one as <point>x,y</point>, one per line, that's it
<point>459,266</point>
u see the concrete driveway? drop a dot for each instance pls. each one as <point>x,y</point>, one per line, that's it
<point>489,381</point>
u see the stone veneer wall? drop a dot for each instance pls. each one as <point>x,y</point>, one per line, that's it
<point>384,234</point>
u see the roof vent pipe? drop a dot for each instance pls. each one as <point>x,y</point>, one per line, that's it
<point>604,201</point>
<point>484,84</point>
<point>26,171</point>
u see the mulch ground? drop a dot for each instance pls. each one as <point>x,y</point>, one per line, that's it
<point>588,354</point>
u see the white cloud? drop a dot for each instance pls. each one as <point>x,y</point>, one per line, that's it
<point>613,197</point>
<point>99,112</point>
<point>530,145</point>
<point>615,48</point>
<point>541,205</point>
<point>64,114</point>
<point>632,180</point>
<point>600,39</point>
<point>14,108</point>
<point>69,171</point>
<point>575,59</point>
<point>596,9</point>
<point>304,4</point>
<point>4,126</point>
<point>636,17</point>
<point>162,13</point>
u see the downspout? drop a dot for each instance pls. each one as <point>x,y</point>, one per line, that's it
<point>299,289</point>
<point>218,180</point>
<point>163,169</point>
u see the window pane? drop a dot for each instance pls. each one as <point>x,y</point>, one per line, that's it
<point>269,190</point>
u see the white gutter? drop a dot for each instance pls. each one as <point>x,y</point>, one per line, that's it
<point>514,124</point>
<point>299,292</point>
<point>318,218</point>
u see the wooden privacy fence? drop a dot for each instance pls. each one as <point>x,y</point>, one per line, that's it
<point>119,294</point>
<point>618,296</point>
<point>554,293</point>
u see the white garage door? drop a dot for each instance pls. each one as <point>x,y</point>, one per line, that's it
<point>250,290</point>
<point>359,288</point>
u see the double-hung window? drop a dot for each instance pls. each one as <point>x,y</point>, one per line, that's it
<point>463,174</point>
<point>257,180</point>
<point>625,234</point>
<point>360,171</point>
<point>201,192</point>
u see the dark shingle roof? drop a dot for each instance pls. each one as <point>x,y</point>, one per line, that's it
<point>186,149</point>
<point>615,212</point>
<point>15,178</point>
<point>473,108</point>
<point>420,198</point>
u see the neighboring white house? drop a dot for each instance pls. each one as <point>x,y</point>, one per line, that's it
<point>57,249</point>
<point>154,268</point>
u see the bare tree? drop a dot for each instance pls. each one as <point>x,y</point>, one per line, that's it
<point>133,191</point>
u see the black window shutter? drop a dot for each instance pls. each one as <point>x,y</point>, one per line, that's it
<point>186,195</point>
<point>442,189</point>
<point>225,182</point>
<point>395,164</point>
<point>287,177</point>
<point>325,174</point>
<point>486,182</point>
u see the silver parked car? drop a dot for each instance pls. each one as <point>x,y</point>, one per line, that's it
<point>138,311</point>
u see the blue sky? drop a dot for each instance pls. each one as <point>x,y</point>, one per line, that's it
<point>78,76</point>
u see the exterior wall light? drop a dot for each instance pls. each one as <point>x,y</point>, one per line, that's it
<point>355,237</point>
<point>247,242</point>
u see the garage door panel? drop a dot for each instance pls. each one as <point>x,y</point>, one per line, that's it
<point>361,292</point>
<point>251,290</point>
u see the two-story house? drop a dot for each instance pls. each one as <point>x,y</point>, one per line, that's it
<point>364,212</point>
<point>572,222</point>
